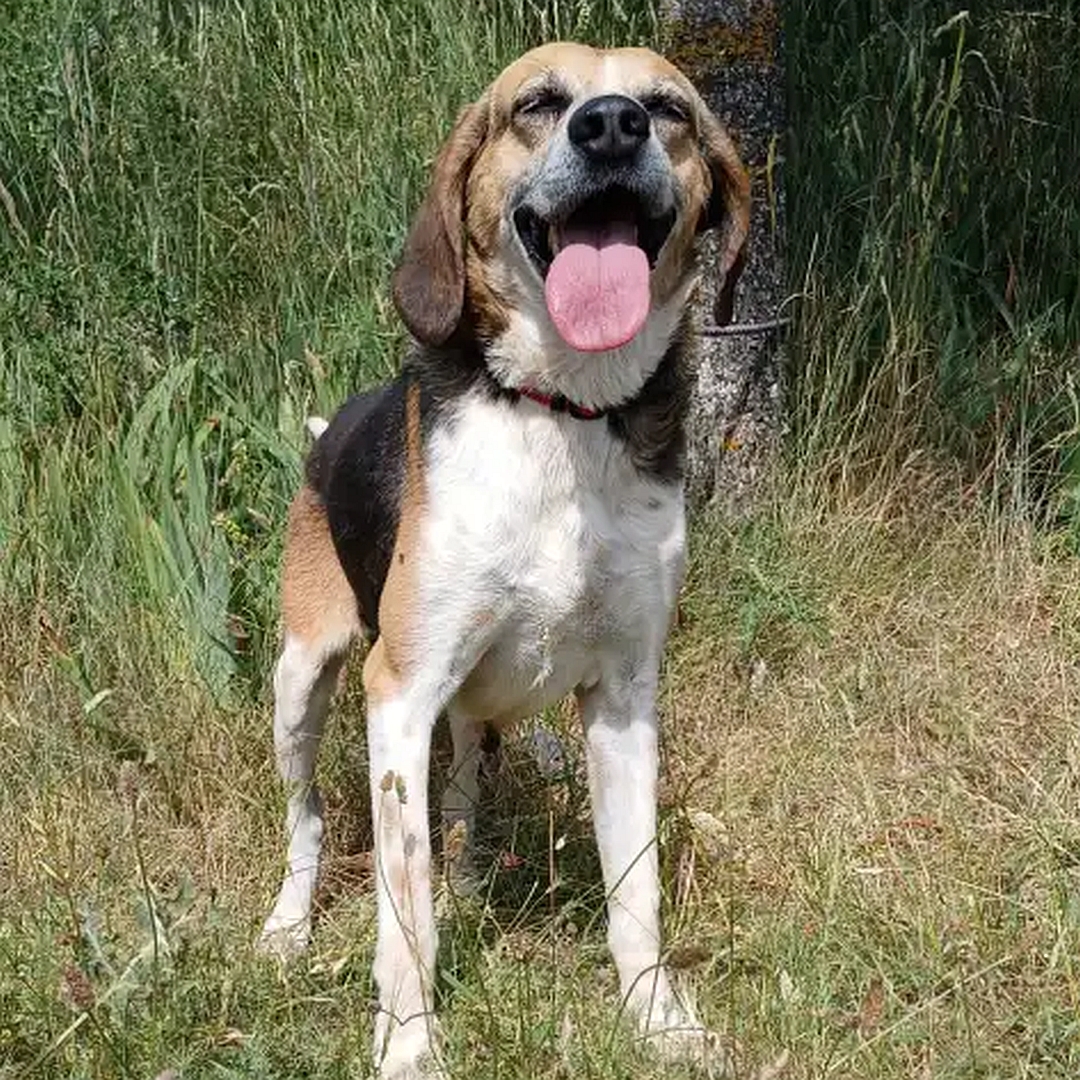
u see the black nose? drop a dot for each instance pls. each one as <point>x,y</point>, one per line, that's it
<point>609,127</point>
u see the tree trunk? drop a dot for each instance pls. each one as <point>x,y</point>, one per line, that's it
<point>731,49</point>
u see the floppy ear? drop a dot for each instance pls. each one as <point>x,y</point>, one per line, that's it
<point>429,282</point>
<point>728,208</point>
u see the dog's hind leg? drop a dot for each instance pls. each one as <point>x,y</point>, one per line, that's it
<point>460,799</point>
<point>321,622</point>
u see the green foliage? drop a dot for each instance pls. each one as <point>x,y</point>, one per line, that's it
<point>769,597</point>
<point>199,211</point>
<point>936,229</point>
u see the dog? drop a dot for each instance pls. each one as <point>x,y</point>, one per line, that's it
<point>504,521</point>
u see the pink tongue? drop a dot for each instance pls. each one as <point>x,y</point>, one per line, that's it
<point>597,288</point>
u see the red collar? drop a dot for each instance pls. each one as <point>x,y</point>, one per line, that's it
<point>558,403</point>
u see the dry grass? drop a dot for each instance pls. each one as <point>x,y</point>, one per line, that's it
<point>871,835</point>
<point>896,788</point>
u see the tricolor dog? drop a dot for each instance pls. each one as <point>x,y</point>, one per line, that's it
<point>504,521</point>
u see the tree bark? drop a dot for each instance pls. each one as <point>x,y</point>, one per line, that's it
<point>731,49</point>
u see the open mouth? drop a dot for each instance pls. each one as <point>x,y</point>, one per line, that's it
<point>595,263</point>
<point>614,214</point>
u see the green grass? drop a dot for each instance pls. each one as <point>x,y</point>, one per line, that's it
<point>871,804</point>
<point>203,206</point>
<point>937,237</point>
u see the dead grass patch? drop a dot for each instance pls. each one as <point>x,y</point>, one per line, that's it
<point>871,836</point>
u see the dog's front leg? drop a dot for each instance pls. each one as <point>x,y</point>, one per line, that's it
<point>621,742</point>
<point>401,714</point>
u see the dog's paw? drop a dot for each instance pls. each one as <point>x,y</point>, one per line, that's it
<point>423,1068</point>
<point>674,1033</point>
<point>284,938</point>
<point>408,1051</point>
<point>695,1045</point>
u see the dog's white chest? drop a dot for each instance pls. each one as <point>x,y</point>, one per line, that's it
<point>556,553</point>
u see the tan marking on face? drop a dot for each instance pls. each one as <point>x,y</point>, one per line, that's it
<point>317,603</point>
<point>512,145</point>
<point>393,654</point>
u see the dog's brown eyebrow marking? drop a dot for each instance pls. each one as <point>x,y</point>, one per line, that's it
<point>547,83</point>
<point>663,92</point>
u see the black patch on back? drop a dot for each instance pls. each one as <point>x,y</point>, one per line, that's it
<point>357,466</point>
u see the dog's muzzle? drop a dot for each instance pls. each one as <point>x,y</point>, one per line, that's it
<point>593,220</point>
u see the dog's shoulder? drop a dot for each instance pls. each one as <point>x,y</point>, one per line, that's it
<point>363,446</point>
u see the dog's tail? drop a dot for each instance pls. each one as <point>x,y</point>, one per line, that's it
<point>316,425</point>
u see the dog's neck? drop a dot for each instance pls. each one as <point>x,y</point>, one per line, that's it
<point>559,404</point>
<point>528,352</point>
<point>649,421</point>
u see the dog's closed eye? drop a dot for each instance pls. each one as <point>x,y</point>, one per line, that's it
<point>663,106</point>
<point>547,102</point>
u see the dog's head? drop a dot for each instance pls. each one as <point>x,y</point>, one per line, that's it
<point>561,219</point>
